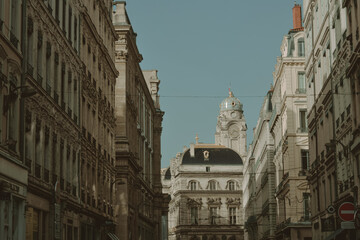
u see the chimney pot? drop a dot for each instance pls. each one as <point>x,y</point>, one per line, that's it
<point>297,21</point>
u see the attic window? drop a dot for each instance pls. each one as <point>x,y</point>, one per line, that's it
<point>233,103</point>
<point>207,169</point>
<point>206,155</point>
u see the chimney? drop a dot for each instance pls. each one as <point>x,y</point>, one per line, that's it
<point>297,22</point>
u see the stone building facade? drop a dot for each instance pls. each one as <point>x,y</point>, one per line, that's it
<point>259,200</point>
<point>13,173</point>
<point>205,182</point>
<point>67,152</point>
<point>205,188</point>
<point>331,176</point>
<point>288,127</point>
<point>353,73</point>
<point>140,204</point>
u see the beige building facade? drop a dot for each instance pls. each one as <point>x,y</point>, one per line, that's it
<point>139,201</point>
<point>13,172</point>
<point>68,136</point>
<point>288,126</point>
<point>331,175</point>
<point>204,182</point>
<point>259,200</point>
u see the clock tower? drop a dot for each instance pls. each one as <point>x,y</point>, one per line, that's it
<point>231,125</point>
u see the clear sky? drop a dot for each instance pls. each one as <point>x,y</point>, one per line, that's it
<point>201,48</point>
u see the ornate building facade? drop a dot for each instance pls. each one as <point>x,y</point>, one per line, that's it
<point>288,127</point>
<point>331,176</point>
<point>204,182</point>
<point>259,200</point>
<point>69,124</point>
<point>353,73</point>
<point>140,204</point>
<point>13,173</point>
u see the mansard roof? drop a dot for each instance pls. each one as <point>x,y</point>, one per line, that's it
<point>211,155</point>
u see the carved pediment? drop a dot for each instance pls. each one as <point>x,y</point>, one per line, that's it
<point>194,201</point>
<point>233,201</point>
<point>215,201</point>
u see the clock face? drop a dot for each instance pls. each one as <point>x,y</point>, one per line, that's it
<point>234,133</point>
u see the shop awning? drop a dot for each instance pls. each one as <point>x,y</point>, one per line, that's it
<point>112,236</point>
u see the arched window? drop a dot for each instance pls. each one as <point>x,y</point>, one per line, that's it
<point>212,185</point>
<point>193,185</point>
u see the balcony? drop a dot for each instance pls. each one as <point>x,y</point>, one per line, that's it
<point>302,130</point>
<point>56,97</point>
<point>284,224</point>
<point>13,39</point>
<point>300,91</point>
<point>37,170</point>
<point>48,88</point>
<point>46,175</point>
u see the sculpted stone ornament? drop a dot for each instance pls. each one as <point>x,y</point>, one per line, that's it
<point>233,201</point>
<point>194,201</point>
<point>214,201</point>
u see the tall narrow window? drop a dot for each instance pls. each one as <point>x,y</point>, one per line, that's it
<point>39,57</point>
<point>64,15</point>
<point>70,22</point>
<point>304,159</point>
<point>57,11</point>
<point>56,72</point>
<point>301,47</point>
<point>193,185</point>
<point>302,120</point>
<point>213,215</point>
<point>301,83</point>
<point>306,198</point>
<point>194,215</point>
<point>48,67</point>
<point>232,215</point>
<point>231,186</point>
<point>46,155</point>
<point>212,185</point>
<point>62,87</point>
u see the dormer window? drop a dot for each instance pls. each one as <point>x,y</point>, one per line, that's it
<point>231,186</point>
<point>193,185</point>
<point>212,185</point>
